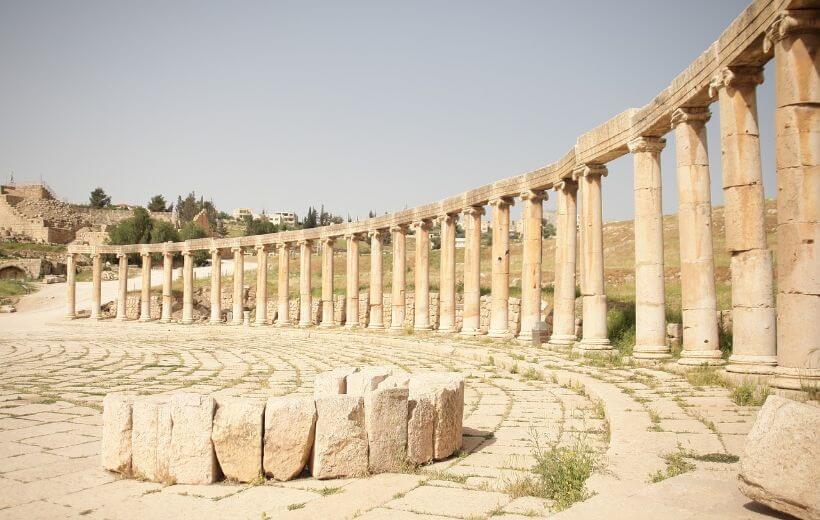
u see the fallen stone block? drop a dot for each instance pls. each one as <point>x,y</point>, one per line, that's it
<point>421,421</point>
<point>780,455</point>
<point>385,417</point>
<point>290,427</point>
<point>237,438</point>
<point>192,458</point>
<point>151,439</point>
<point>332,382</point>
<point>448,396</point>
<point>366,379</point>
<point>340,448</point>
<point>395,381</point>
<point>116,435</point>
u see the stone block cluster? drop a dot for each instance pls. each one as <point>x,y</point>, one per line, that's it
<point>359,421</point>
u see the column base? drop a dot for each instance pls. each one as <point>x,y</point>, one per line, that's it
<point>561,341</point>
<point>592,345</point>
<point>351,326</point>
<point>186,321</point>
<point>283,324</point>
<point>471,332</point>
<point>120,318</point>
<point>500,334</point>
<point>144,320</point>
<point>260,323</point>
<point>422,328</point>
<point>651,352</point>
<point>305,325</point>
<point>376,326</point>
<point>165,320</point>
<point>396,330</point>
<point>326,325</point>
<point>71,316</point>
<point>701,357</point>
<point>801,384</point>
<point>755,365</point>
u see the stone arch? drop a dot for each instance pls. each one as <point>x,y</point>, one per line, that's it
<point>12,272</point>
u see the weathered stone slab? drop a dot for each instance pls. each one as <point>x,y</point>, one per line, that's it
<point>116,435</point>
<point>367,379</point>
<point>781,455</point>
<point>151,439</point>
<point>237,438</point>
<point>192,458</point>
<point>385,417</point>
<point>290,427</point>
<point>421,423</point>
<point>332,382</point>
<point>448,396</point>
<point>340,449</point>
<point>395,381</point>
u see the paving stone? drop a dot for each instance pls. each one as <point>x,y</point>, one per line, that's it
<point>450,501</point>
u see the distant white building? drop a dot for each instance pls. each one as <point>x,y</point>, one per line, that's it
<point>241,213</point>
<point>283,218</point>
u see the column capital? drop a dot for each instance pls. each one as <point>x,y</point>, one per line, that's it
<point>328,241</point>
<point>95,254</point>
<point>214,251</point>
<point>236,249</point>
<point>304,242</point>
<point>424,223</point>
<point>261,247</point>
<point>353,236</point>
<point>187,252</point>
<point>378,234</point>
<point>534,195</point>
<point>449,218</point>
<point>473,210</point>
<point>691,115</point>
<point>167,254</point>
<point>789,22</point>
<point>500,202</point>
<point>143,254</point>
<point>122,255</point>
<point>399,228</point>
<point>646,144</point>
<point>733,77</point>
<point>589,170</point>
<point>566,185</point>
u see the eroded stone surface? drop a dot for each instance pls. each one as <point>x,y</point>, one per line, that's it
<point>447,393</point>
<point>421,423</point>
<point>385,413</point>
<point>366,379</point>
<point>151,439</point>
<point>237,438</point>
<point>340,448</point>
<point>192,458</point>
<point>116,437</point>
<point>290,427</point>
<point>332,382</point>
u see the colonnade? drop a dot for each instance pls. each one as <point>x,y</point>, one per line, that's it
<point>771,336</point>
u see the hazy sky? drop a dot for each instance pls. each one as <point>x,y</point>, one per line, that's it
<point>375,105</point>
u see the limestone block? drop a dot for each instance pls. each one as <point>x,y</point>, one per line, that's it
<point>151,439</point>
<point>116,434</point>
<point>781,455</point>
<point>385,417</point>
<point>421,423</point>
<point>237,438</point>
<point>340,448</point>
<point>290,427</point>
<point>447,390</point>
<point>332,382</point>
<point>192,458</point>
<point>367,379</point>
<point>395,381</point>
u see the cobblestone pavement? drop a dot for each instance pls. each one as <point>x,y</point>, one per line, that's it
<point>53,379</point>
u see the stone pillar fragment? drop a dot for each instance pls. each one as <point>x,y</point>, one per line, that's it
<point>447,274</point>
<point>754,337</point>
<point>216,287</point>
<point>238,285</point>
<point>167,287</point>
<point>96,286</point>
<point>399,278</point>
<point>122,293</point>
<point>261,317</point>
<point>385,419</point>
<point>376,281</point>
<point>71,285</point>
<point>500,296</point>
<point>650,298</point>
<point>795,37</point>
<point>305,297</point>
<point>595,337</point>
<point>187,287</point>
<point>283,313</point>
<point>566,243</point>
<point>145,287</point>
<point>697,265</point>
<point>192,459</point>
<point>421,276</point>
<point>327,282</point>
<point>352,277</point>
<point>471,320</point>
<point>531,214</point>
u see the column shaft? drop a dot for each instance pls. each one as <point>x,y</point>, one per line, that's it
<point>187,287</point>
<point>96,286</point>
<point>500,295</point>
<point>421,276</point>
<point>327,282</point>
<point>650,298</point>
<point>216,287</point>
<point>352,278</point>
<point>531,214</point>
<point>283,318</point>
<point>71,285</point>
<point>122,294</point>
<point>238,285</point>
<point>145,288</point>
<point>167,287</point>
<point>261,316</point>
<point>447,275</point>
<point>397,303</point>
<point>471,319</point>
<point>305,298</point>
<point>697,265</point>
<point>376,281</point>
<point>566,243</point>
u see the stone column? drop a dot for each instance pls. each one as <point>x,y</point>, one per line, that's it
<point>238,300</point>
<point>261,317</point>
<point>697,265</point>
<point>216,287</point>
<point>96,286</point>
<point>187,287</point>
<point>376,281</point>
<point>754,338</point>
<point>650,298</point>
<point>500,296</point>
<point>283,318</point>
<point>305,298</point>
<point>167,287</point>
<point>566,244</point>
<point>71,285</point>
<point>421,276</point>
<point>472,271</point>
<point>595,337</point>
<point>397,303</point>
<point>447,275</point>
<point>531,215</point>
<point>327,281</point>
<point>352,278</point>
<point>795,36</point>
<point>122,294</point>
<point>145,288</point>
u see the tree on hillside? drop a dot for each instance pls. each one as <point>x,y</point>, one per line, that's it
<point>311,219</point>
<point>162,231</point>
<point>188,208</point>
<point>158,203</point>
<point>134,230</point>
<point>256,226</point>
<point>99,199</point>
<point>192,231</point>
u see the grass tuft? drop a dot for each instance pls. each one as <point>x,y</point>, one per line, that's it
<point>748,393</point>
<point>676,464</point>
